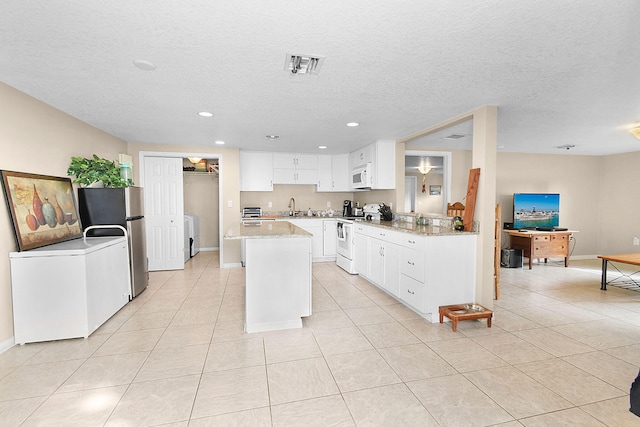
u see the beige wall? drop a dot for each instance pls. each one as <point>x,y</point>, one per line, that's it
<point>201,195</point>
<point>618,219</point>
<point>37,138</point>
<point>576,178</point>
<point>425,202</point>
<point>305,197</point>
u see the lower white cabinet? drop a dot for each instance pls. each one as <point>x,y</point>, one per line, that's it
<point>423,272</point>
<point>324,239</point>
<point>329,237</point>
<point>69,289</point>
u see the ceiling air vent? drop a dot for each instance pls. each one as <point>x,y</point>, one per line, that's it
<point>455,136</point>
<point>303,64</point>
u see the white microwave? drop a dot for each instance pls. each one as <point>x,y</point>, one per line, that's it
<point>361,176</point>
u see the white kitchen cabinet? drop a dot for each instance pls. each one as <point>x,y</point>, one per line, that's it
<point>383,163</point>
<point>256,171</point>
<point>295,161</point>
<point>333,173</point>
<point>329,237</point>
<point>360,157</point>
<point>295,176</point>
<point>382,156</point>
<point>289,168</point>
<point>340,173</point>
<point>316,227</point>
<point>423,272</point>
<point>384,264</point>
<point>361,251</point>
<point>69,289</point>
<point>325,175</point>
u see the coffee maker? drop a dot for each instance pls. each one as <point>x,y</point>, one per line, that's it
<point>347,208</point>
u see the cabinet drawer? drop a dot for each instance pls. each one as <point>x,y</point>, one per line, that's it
<point>412,292</point>
<point>387,235</point>
<point>414,242</point>
<point>412,263</point>
<point>539,239</point>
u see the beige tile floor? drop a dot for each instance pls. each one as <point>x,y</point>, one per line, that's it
<point>560,352</point>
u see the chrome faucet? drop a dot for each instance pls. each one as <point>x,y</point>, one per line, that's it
<point>292,206</point>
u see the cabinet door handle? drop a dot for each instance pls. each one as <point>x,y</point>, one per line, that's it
<point>412,293</point>
<point>382,234</point>
<point>411,263</point>
<point>412,241</point>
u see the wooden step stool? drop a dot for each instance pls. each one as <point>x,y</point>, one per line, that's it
<point>459,312</point>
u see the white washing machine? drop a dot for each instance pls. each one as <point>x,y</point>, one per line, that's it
<point>194,234</point>
<point>187,239</point>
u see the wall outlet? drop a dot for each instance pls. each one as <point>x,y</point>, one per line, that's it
<point>636,241</point>
<point>229,203</point>
<point>436,222</point>
<point>328,204</point>
<point>269,204</point>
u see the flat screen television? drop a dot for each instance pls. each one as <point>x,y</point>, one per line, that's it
<point>531,210</point>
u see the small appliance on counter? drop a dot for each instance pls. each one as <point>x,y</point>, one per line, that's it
<point>372,211</point>
<point>385,213</point>
<point>347,208</point>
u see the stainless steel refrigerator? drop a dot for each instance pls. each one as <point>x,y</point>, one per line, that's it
<point>124,207</point>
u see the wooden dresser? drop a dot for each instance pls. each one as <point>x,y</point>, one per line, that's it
<point>541,244</point>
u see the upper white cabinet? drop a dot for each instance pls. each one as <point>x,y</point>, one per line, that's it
<point>360,157</point>
<point>340,172</point>
<point>383,162</point>
<point>291,168</point>
<point>333,173</point>
<point>382,156</point>
<point>256,171</point>
<point>295,161</point>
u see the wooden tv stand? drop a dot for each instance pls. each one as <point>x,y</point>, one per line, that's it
<point>541,244</point>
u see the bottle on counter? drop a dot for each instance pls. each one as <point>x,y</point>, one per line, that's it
<point>309,213</point>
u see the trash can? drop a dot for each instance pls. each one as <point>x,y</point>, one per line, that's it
<point>511,258</point>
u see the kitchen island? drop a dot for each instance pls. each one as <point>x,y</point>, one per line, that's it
<point>277,274</point>
<point>423,267</point>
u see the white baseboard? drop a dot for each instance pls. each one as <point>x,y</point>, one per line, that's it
<point>232,265</point>
<point>210,249</point>
<point>7,344</point>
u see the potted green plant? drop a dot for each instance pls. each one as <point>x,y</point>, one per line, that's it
<point>90,172</point>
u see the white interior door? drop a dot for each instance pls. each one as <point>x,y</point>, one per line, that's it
<point>164,213</point>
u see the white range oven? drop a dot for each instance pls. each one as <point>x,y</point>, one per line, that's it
<point>345,257</point>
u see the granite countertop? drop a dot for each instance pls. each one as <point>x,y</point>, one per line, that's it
<point>412,228</point>
<point>265,230</point>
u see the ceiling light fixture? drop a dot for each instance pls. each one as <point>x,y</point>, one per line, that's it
<point>322,147</point>
<point>302,64</point>
<point>454,136</point>
<point>635,130</point>
<point>205,114</point>
<point>272,137</point>
<point>144,65</point>
<point>566,146</point>
<point>353,124</point>
<point>219,142</point>
<point>424,169</point>
<point>195,160</point>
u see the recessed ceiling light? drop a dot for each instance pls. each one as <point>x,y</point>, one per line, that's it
<point>353,124</point>
<point>322,147</point>
<point>219,142</point>
<point>205,114</point>
<point>272,137</point>
<point>144,65</point>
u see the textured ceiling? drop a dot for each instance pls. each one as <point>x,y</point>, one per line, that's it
<point>560,72</point>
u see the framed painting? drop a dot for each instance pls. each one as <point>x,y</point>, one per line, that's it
<point>42,208</point>
<point>435,190</point>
